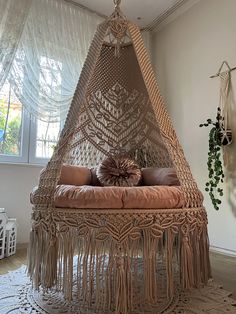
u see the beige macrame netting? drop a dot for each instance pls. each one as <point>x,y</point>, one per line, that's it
<point>124,258</point>
<point>227,106</point>
<point>228,111</point>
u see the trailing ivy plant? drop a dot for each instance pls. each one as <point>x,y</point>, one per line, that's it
<point>214,163</point>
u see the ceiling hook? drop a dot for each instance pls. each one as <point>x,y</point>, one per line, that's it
<point>117,2</point>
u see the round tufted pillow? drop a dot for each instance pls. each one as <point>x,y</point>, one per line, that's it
<point>118,170</point>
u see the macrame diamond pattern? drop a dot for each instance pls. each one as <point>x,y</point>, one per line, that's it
<point>118,121</point>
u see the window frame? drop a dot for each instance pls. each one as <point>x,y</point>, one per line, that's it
<point>23,157</point>
<point>32,158</point>
<point>28,144</point>
<point>29,138</point>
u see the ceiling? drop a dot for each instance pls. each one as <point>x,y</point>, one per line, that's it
<point>143,12</point>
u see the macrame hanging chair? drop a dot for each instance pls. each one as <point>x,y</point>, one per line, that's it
<point>118,259</point>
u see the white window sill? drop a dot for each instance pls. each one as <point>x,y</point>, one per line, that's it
<point>23,164</point>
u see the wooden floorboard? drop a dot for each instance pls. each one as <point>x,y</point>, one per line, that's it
<point>224,271</point>
<point>13,262</point>
<point>223,268</point>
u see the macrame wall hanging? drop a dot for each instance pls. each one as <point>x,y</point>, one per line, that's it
<point>221,137</point>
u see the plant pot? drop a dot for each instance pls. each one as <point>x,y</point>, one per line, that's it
<point>225,137</point>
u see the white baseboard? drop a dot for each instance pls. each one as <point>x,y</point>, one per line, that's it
<point>222,251</point>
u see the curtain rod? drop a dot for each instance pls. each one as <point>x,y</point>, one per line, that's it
<point>85,8</point>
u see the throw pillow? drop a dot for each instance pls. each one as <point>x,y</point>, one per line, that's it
<point>159,176</point>
<point>75,175</point>
<point>118,170</point>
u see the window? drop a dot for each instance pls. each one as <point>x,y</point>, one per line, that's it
<point>23,139</point>
<point>45,137</point>
<point>11,115</point>
<point>14,127</point>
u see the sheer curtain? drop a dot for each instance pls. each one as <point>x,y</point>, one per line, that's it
<point>12,19</point>
<point>43,44</point>
<point>49,56</point>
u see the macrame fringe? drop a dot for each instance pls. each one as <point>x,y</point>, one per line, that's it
<point>195,266</point>
<point>150,264</point>
<point>169,264</point>
<point>51,263</point>
<point>204,256</point>
<point>122,288</point>
<point>114,277</point>
<point>186,264</point>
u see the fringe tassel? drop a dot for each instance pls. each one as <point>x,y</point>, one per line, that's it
<point>50,274</point>
<point>204,257</point>
<point>36,255</point>
<point>150,245</point>
<point>121,288</point>
<point>31,251</point>
<point>186,264</point>
<point>195,244</point>
<point>169,264</point>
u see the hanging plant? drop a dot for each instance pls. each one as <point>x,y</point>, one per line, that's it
<point>218,136</point>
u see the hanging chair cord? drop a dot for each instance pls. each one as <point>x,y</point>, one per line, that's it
<point>117,3</point>
<point>118,27</point>
<point>117,11</point>
<point>117,14</point>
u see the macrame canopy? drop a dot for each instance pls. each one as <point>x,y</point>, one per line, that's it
<point>125,258</point>
<point>117,108</point>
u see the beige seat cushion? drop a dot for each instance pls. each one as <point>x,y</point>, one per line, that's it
<point>70,196</point>
<point>153,197</point>
<point>88,197</point>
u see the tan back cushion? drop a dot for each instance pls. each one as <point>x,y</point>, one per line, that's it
<point>75,175</point>
<point>94,178</point>
<point>160,176</point>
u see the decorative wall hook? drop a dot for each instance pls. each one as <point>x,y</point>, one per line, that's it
<point>221,67</point>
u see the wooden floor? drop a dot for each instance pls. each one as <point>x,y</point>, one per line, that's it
<point>224,271</point>
<point>13,262</point>
<point>223,268</point>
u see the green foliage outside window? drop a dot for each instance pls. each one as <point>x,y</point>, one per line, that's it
<point>10,128</point>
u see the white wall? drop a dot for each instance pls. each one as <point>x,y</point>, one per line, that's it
<point>185,53</point>
<point>16,183</point>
